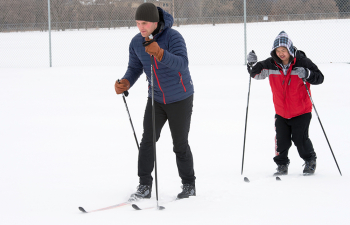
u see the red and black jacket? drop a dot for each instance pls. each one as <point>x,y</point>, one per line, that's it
<point>290,96</point>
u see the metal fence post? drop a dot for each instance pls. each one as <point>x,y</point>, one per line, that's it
<point>49,22</point>
<point>245,32</point>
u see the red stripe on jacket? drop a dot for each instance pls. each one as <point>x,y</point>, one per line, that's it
<point>158,80</point>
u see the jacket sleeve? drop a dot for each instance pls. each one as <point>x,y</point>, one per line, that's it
<point>260,70</point>
<point>175,57</point>
<point>316,76</point>
<point>135,67</point>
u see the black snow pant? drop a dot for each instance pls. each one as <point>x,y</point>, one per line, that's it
<point>178,115</point>
<point>295,129</point>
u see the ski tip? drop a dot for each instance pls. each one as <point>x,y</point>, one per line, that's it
<point>161,208</point>
<point>278,179</point>
<point>82,209</point>
<point>246,179</point>
<point>135,207</point>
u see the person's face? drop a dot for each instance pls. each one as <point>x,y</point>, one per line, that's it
<point>146,28</point>
<point>283,54</point>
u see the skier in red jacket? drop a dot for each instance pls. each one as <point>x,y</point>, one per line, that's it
<point>287,69</point>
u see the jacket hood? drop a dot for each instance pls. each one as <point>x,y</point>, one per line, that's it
<point>166,18</point>
<point>282,40</point>
<point>165,21</point>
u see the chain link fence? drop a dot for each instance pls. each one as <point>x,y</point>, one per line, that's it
<point>87,32</point>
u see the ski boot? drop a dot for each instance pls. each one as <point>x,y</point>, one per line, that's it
<point>187,191</point>
<point>310,167</point>
<point>142,192</point>
<point>281,170</point>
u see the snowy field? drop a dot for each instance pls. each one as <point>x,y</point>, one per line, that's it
<point>66,141</point>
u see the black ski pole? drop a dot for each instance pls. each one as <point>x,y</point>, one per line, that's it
<point>146,43</point>
<point>245,127</point>
<point>125,94</point>
<point>154,135</point>
<point>322,126</point>
<point>246,119</point>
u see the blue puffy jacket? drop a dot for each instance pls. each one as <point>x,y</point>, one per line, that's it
<point>172,79</point>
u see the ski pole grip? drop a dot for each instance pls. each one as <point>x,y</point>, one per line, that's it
<point>126,93</point>
<point>146,43</point>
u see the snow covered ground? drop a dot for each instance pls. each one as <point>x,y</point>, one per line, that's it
<point>66,141</point>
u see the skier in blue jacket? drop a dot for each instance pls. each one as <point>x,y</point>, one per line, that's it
<point>173,94</point>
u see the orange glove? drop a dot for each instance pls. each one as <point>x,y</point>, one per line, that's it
<point>155,50</point>
<point>121,86</point>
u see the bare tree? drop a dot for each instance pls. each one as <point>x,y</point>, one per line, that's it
<point>259,7</point>
<point>32,14</point>
<point>222,8</point>
<point>303,7</point>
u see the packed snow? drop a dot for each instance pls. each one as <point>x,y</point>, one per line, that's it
<point>66,139</point>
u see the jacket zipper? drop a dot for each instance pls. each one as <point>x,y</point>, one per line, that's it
<point>283,88</point>
<point>284,77</point>
<point>154,70</point>
<point>182,82</point>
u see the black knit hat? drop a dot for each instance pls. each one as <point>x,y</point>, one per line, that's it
<point>147,12</point>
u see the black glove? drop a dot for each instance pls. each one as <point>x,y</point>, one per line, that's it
<point>252,58</point>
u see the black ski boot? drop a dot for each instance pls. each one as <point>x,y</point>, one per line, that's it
<point>282,170</point>
<point>187,191</point>
<point>143,191</point>
<point>310,167</point>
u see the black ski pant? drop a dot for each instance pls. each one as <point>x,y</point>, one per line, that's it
<point>295,129</point>
<point>178,115</point>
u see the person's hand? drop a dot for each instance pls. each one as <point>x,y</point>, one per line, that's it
<point>252,58</point>
<point>301,72</point>
<point>121,86</point>
<point>155,50</point>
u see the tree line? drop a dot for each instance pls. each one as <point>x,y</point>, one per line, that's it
<point>74,11</point>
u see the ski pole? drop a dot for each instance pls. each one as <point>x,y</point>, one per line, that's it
<point>146,43</point>
<point>246,119</point>
<point>322,126</point>
<point>154,135</point>
<point>245,127</point>
<point>125,94</point>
